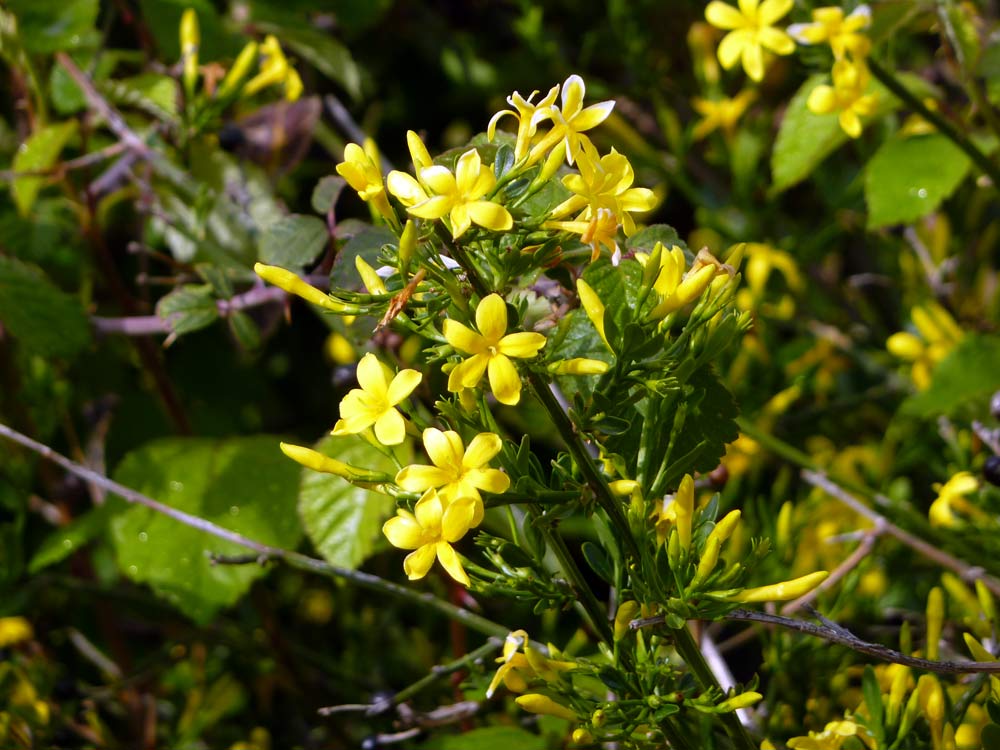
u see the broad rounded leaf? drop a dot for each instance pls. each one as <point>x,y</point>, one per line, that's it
<point>41,317</point>
<point>293,242</point>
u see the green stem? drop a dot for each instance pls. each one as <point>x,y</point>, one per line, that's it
<point>691,654</point>
<point>944,126</point>
<point>443,670</point>
<point>674,735</point>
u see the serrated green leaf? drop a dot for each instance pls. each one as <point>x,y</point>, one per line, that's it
<point>188,308</point>
<point>293,242</point>
<point>344,522</point>
<point>488,738</point>
<point>39,152</point>
<point>244,484</point>
<point>962,382</point>
<point>47,26</point>
<point>326,193</point>
<point>41,317</point>
<point>907,178</point>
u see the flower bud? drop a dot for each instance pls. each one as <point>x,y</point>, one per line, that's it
<point>537,703</point>
<point>372,281</point>
<point>291,283</point>
<point>683,511</point>
<point>626,613</point>
<point>935,621</point>
<point>318,462</point>
<point>779,592</point>
<point>724,528</point>
<point>582,737</point>
<point>709,557</point>
<point>743,700</point>
<point>237,74</point>
<point>407,246</point>
<point>190,41</point>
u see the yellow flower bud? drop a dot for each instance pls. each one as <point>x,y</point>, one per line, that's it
<point>14,630</point>
<point>930,697</point>
<point>779,592</point>
<point>683,511</point>
<point>978,651</point>
<point>743,700</point>
<point>407,245</point>
<point>190,40</point>
<point>900,682</point>
<point>935,621</point>
<point>537,703</point>
<point>237,74</point>
<point>709,557</point>
<point>594,308</point>
<point>724,528</point>
<point>580,735</point>
<point>291,283</point>
<point>623,487</point>
<point>372,281</point>
<point>626,613</point>
<point>986,601</point>
<point>318,462</point>
<point>578,366</point>
<point>339,350</point>
<point>549,167</point>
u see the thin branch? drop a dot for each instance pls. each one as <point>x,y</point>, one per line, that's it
<point>289,557</point>
<point>81,162</point>
<point>963,569</point>
<point>152,325</point>
<point>850,563</point>
<point>831,631</point>
<point>336,109</point>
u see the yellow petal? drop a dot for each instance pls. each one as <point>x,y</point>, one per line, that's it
<point>417,478</point>
<point>390,428</point>
<point>490,215</point>
<point>593,116</point>
<point>404,187</point>
<point>462,338</point>
<point>491,318</point>
<point>460,220</point>
<point>773,10</point>
<point>419,562</point>
<point>467,171</point>
<point>439,179</point>
<point>429,511</point>
<point>458,518</point>
<point>449,560</point>
<point>467,374</point>
<point>373,376</point>
<point>403,531</point>
<point>822,100</point>
<point>481,450</point>
<point>573,91</point>
<point>402,385</point>
<point>418,151</point>
<point>521,345</point>
<point>753,61</point>
<point>723,16</point>
<point>444,448</point>
<point>488,480</point>
<point>504,380</point>
<point>356,414</point>
<point>776,40</point>
<point>434,207</point>
<point>850,123</point>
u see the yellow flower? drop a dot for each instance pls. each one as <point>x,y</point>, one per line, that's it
<point>525,113</point>
<point>847,96</point>
<point>517,669</point>
<point>951,498</point>
<point>491,350</point>
<point>751,30</point>
<point>375,401</point>
<point>457,471</point>
<point>721,113</point>
<point>408,190</point>
<point>430,531</point>
<point>570,121</point>
<point>678,286</point>
<point>274,69</point>
<point>601,229</point>
<point>842,34</point>
<point>459,196</point>
<point>361,170</point>
<point>14,630</point>
<point>833,737</point>
<point>939,334</point>
<point>604,182</point>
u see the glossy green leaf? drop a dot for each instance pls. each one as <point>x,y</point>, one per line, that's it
<point>344,522</point>
<point>63,542</point>
<point>40,316</point>
<point>488,738</point>
<point>962,382</point>
<point>243,484</point>
<point>39,152</point>
<point>188,308</point>
<point>326,193</point>
<point>907,178</point>
<point>48,26</point>
<point>645,239</point>
<point>293,242</point>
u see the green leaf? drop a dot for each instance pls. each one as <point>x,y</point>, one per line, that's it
<point>41,317</point>
<point>326,54</point>
<point>63,542</point>
<point>598,561</point>
<point>48,26</point>
<point>244,330</point>
<point>990,737</point>
<point>152,93</point>
<point>326,193</point>
<point>645,240</point>
<point>367,243</point>
<point>344,522</point>
<point>293,241</point>
<point>488,738</point>
<point>39,152</point>
<point>962,382</point>
<point>907,178</point>
<point>188,308</point>
<point>243,484</point>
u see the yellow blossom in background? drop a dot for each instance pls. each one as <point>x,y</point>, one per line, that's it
<point>569,121</point>
<point>846,96</point>
<point>430,531</point>
<point>600,231</point>
<point>830,26</point>
<point>375,401</point>
<point>762,261</point>
<point>604,182</point>
<point>721,114</point>
<point>491,350</point>
<point>190,37</point>
<point>459,196</point>
<point>14,630</point>
<point>274,69</point>
<point>457,471</point>
<point>938,335</point>
<point>751,31</point>
<point>950,505</point>
<point>525,113</point>
<point>361,170</point>
<point>677,285</point>
<point>833,737</point>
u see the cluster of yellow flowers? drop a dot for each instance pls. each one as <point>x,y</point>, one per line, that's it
<point>937,335</point>
<point>751,30</point>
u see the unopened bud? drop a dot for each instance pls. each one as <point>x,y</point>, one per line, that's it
<point>537,703</point>
<point>237,74</point>
<point>190,41</point>
<point>743,700</point>
<point>407,246</point>
<point>291,283</point>
<point>626,613</point>
<point>779,592</point>
<point>578,366</point>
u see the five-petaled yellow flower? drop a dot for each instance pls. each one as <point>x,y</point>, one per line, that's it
<point>430,531</point>
<point>604,182</point>
<point>847,96</point>
<point>459,196</point>
<point>570,121</point>
<point>751,30</point>
<point>374,403</point>
<point>524,112</point>
<point>843,34</point>
<point>491,350</point>
<point>721,114</point>
<point>457,471</point>
<point>600,230</point>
